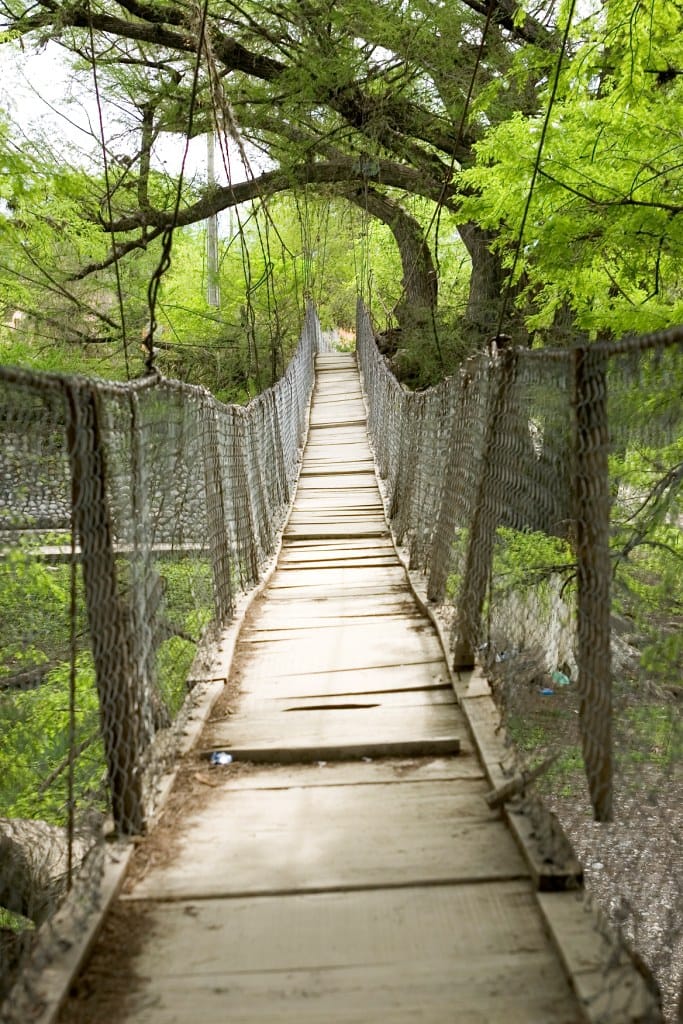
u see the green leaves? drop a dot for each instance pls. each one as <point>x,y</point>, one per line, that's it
<point>605,229</point>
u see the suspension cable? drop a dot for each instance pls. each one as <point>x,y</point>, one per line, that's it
<point>105,163</point>
<point>167,237</point>
<point>436,218</point>
<point>537,165</point>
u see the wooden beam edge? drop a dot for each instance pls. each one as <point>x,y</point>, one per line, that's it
<point>611,985</point>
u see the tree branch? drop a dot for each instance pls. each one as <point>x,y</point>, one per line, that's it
<point>381,172</point>
<point>621,201</point>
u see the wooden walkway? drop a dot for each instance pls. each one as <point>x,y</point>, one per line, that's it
<point>353,872</point>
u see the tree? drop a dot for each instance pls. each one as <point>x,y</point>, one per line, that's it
<point>604,233</point>
<point>384,84</point>
<point>382,102</point>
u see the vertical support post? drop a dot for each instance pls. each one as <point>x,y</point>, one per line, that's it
<point>485,517</point>
<point>213,289</point>
<point>120,689</point>
<point>246,521</point>
<point>439,559</point>
<point>591,514</point>
<point>219,542</point>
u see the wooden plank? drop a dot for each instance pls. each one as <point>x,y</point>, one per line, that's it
<point>338,501</point>
<point>346,490</point>
<point>417,990</point>
<point>329,438</point>
<point>360,480</point>
<point>348,545</point>
<point>548,853</point>
<point>306,616</point>
<point>393,630</point>
<point>369,593</point>
<point>322,467</point>
<point>352,682</point>
<point>344,929</point>
<point>338,428</point>
<point>303,531</point>
<point>275,702</point>
<point>327,735</point>
<point>607,982</point>
<point>470,954</point>
<point>315,561</point>
<point>484,721</point>
<point>381,576</point>
<point>270,752</point>
<point>278,612</point>
<point>363,595</point>
<point>320,838</point>
<point>339,420</point>
<point>391,771</point>
<point>340,517</point>
<point>552,864</point>
<point>335,649</point>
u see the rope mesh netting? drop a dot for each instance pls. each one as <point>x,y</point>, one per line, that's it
<point>130,517</point>
<point>536,495</point>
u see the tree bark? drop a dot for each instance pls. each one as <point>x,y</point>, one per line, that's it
<point>417,305</point>
<point>487,281</point>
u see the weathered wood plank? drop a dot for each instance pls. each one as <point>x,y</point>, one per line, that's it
<point>380,576</point>
<point>332,649</point>
<point>326,837</point>
<point>317,735</point>
<point>338,561</point>
<point>338,546</point>
<point>311,531</point>
<point>360,481</point>
<point>343,608</point>
<point>391,632</point>
<point>471,954</point>
<point>336,516</point>
<point>276,702</point>
<point>392,771</point>
<point>321,467</point>
<point>352,682</point>
<point>604,977</point>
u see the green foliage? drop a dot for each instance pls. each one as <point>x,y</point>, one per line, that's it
<point>188,610</point>
<point>299,246</point>
<point>523,559</point>
<point>650,733</point>
<point>605,226</point>
<point>35,632</point>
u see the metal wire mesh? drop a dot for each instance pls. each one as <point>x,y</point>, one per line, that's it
<point>130,516</point>
<point>537,493</point>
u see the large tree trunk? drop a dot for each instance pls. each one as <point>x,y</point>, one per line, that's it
<point>417,305</point>
<point>487,282</point>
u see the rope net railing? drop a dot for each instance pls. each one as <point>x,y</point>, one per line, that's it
<point>130,518</point>
<point>536,496</point>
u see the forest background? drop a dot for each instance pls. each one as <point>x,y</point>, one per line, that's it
<point>473,169</point>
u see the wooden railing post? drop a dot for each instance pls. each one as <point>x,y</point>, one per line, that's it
<point>124,718</point>
<point>591,516</point>
<point>486,515</point>
<point>218,538</point>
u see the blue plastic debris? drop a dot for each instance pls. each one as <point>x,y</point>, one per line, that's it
<point>220,757</point>
<point>545,691</point>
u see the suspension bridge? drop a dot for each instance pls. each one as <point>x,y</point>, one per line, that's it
<point>344,839</point>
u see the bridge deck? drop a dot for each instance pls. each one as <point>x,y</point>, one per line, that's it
<point>359,877</point>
